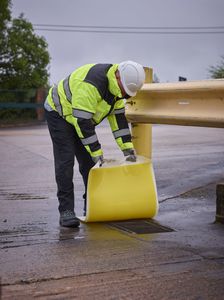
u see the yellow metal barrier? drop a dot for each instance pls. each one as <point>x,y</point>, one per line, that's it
<point>196,103</point>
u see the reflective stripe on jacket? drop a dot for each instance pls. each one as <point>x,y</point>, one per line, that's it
<point>87,96</point>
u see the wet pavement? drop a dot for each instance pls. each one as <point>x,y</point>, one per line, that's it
<point>38,259</point>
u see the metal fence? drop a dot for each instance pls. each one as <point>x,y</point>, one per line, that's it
<point>22,105</point>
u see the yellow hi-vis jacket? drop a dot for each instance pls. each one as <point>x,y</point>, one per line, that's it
<point>87,96</point>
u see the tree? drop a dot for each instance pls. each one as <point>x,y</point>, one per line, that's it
<point>28,55</point>
<point>24,63</point>
<point>24,57</point>
<point>5,17</point>
<point>217,71</point>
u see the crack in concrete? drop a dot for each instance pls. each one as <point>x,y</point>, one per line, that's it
<point>30,281</point>
<point>186,192</point>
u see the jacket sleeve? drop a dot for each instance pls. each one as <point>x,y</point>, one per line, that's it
<point>84,103</point>
<point>119,126</point>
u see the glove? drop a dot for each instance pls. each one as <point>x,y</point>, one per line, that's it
<point>99,159</point>
<point>130,155</point>
<point>131,158</point>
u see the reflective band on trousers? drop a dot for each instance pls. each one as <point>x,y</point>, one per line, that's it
<point>121,132</point>
<point>90,140</point>
<point>56,100</point>
<point>66,87</point>
<point>119,111</point>
<point>81,114</point>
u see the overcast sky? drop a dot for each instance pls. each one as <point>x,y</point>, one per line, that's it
<point>169,55</point>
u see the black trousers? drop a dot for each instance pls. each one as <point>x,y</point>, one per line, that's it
<point>66,146</point>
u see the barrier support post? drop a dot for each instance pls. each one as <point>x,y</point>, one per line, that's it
<point>142,133</point>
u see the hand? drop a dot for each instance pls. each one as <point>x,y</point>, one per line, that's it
<point>99,159</point>
<point>131,158</point>
<point>130,155</point>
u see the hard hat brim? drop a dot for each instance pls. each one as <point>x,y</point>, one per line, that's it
<point>127,91</point>
<point>132,94</point>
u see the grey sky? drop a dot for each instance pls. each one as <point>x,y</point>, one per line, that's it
<point>169,55</point>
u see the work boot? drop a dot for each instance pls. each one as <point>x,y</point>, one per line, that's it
<point>68,219</point>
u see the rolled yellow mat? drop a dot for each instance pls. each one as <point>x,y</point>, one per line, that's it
<point>121,190</point>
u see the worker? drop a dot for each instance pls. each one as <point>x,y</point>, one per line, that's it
<point>73,108</point>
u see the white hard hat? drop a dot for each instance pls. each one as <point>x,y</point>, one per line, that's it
<point>132,76</point>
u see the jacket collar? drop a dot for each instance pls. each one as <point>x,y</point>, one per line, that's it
<point>113,85</point>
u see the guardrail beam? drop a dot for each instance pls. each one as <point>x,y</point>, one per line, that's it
<point>196,103</point>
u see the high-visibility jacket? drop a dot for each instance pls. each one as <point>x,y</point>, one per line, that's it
<point>87,96</point>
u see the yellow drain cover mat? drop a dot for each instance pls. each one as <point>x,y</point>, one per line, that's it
<point>121,190</point>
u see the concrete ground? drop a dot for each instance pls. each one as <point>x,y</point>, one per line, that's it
<point>38,259</point>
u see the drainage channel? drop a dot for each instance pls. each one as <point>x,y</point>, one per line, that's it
<point>140,226</point>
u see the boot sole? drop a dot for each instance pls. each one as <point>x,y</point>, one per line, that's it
<point>70,223</point>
